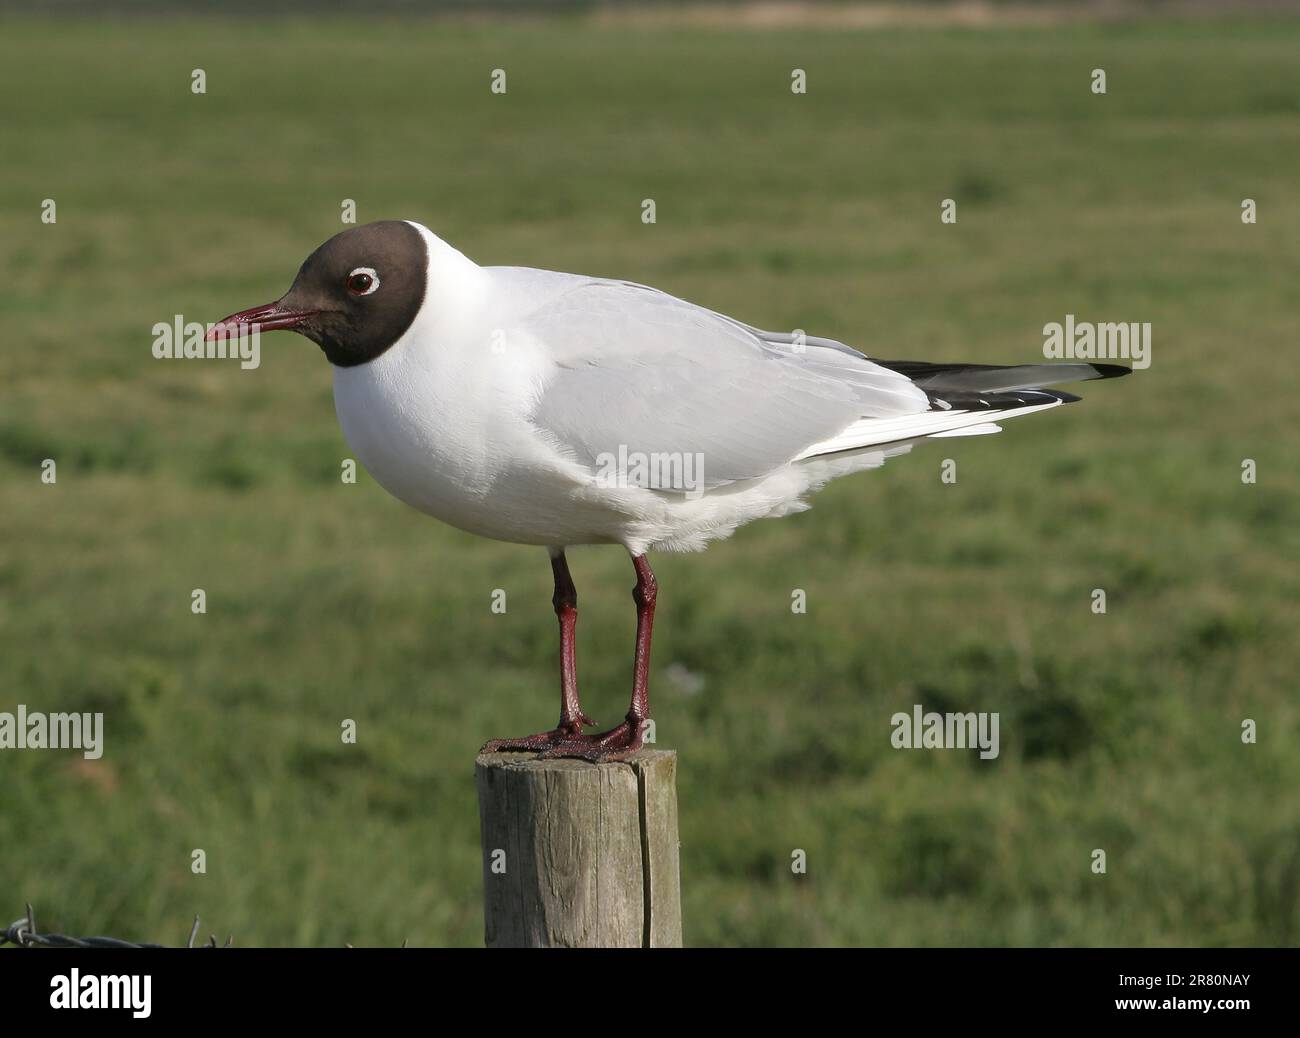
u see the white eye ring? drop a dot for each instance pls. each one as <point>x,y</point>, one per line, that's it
<point>374,280</point>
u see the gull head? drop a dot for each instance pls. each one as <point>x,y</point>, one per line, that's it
<point>355,296</point>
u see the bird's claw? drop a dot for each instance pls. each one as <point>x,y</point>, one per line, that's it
<point>614,745</point>
<point>543,741</point>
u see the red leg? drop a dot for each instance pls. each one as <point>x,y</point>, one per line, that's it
<point>645,595</point>
<point>565,601</point>
<point>626,738</point>
<point>572,718</point>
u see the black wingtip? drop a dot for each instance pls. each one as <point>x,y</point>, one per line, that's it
<point>1110,370</point>
<point>1008,400</point>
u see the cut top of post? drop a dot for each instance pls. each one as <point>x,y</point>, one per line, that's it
<point>578,854</point>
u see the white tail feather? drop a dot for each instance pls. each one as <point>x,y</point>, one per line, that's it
<point>871,431</point>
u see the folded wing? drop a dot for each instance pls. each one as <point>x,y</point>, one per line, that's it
<point>645,373</point>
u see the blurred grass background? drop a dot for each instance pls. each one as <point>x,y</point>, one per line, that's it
<point>328,601</point>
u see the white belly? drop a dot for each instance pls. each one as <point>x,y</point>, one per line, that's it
<point>452,441</point>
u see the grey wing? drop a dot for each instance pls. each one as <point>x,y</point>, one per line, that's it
<point>652,376</point>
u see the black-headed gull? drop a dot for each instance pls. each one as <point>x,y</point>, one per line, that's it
<point>554,409</point>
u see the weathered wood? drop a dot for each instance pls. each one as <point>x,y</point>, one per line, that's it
<point>579,855</point>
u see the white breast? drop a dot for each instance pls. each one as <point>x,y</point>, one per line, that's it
<point>440,418</point>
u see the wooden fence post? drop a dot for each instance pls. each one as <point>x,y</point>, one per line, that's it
<point>579,855</point>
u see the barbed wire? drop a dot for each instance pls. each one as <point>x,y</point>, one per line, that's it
<point>22,932</point>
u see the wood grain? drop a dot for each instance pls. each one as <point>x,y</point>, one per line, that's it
<point>579,855</point>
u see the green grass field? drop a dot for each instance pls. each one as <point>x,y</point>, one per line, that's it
<point>328,601</point>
